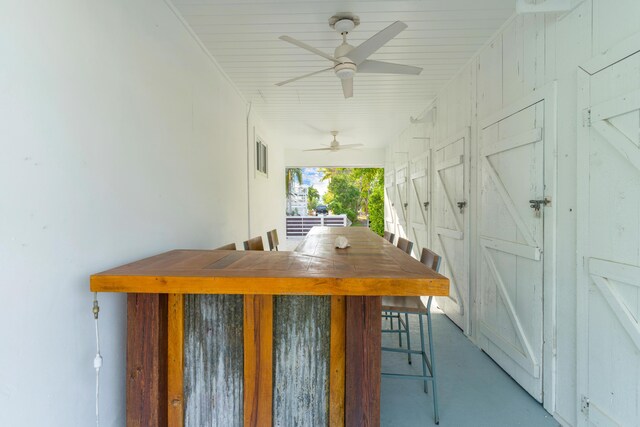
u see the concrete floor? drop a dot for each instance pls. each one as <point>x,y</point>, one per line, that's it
<point>472,389</point>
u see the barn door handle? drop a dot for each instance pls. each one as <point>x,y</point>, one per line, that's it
<point>426,205</point>
<point>405,205</point>
<point>461,206</point>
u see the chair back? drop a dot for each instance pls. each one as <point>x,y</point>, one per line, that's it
<point>229,247</point>
<point>254,244</point>
<point>272,238</point>
<point>430,259</point>
<point>405,245</point>
<point>389,236</point>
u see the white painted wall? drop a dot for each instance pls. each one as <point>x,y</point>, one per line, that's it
<point>268,201</point>
<point>526,54</point>
<point>120,139</point>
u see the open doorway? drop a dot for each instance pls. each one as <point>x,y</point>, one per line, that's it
<point>338,197</point>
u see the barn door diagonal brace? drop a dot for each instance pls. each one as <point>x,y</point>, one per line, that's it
<point>602,272</point>
<point>532,365</point>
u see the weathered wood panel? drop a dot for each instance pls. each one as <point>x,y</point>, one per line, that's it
<point>301,340</point>
<point>363,358</point>
<point>258,360</point>
<point>146,360</point>
<point>213,360</point>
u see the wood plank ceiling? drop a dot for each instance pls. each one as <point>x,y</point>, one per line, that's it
<point>243,37</point>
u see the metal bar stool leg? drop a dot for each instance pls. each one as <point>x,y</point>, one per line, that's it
<point>391,319</point>
<point>406,321</point>
<point>424,354</point>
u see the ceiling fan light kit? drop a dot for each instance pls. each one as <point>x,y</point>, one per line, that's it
<point>348,60</point>
<point>346,70</point>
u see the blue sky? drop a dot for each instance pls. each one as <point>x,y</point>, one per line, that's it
<point>312,176</point>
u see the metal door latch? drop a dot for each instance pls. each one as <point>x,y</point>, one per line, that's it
<point>405,205</point>
<point>584,405</point>
<point>426,205</point>
<point>461,206</point>
<point>536,204</point>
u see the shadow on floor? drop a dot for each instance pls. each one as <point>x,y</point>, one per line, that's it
<point>472,389</point>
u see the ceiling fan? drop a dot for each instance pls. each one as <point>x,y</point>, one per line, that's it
<point>335,144</point>
<point>347,59</point>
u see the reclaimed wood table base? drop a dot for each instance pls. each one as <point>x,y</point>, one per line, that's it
<point>262,338</point>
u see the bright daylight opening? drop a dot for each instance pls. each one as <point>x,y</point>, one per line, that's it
<point>347,197</point>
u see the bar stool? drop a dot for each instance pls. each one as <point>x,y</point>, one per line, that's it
<point>405,245</point>
<point>403,326</point>
<point>229,247</point>
<point>414,305</point>
<point>254,244</point>
<point>272,238</point>
<point>389,236</point>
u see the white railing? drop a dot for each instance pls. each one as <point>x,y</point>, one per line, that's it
<point>299,226</point>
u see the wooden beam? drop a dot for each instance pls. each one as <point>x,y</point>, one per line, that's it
<point>146,360</point>
<point>363,359</point>
<point>175,354</point>
<point>337,361</point>
<point>258,360</point>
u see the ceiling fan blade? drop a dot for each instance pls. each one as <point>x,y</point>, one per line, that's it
<point>341,146</point>
<point>369,66</point>
<point>347,88</point>
<point>320,149</point>
<point>302,77</point>
<point>309,48</point>
<point>368,47</point>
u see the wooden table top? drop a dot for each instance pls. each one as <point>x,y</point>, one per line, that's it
<point>370,266</point>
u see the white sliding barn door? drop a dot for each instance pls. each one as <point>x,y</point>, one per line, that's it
<point>419,202</point>
<point>451,195</point>
<point>609,240</point>
<point>511,242</point>
<point>402,199</point>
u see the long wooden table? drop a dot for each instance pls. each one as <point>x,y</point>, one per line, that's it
<point>262,338</point>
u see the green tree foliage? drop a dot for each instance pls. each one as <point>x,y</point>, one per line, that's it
<point>342,196</point>
<point>376,207</point>
<point>367,179</point>
<point>313,197</point>
<point>328,173</point>
<point>356,191</point>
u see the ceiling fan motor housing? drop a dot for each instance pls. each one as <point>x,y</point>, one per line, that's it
<point>346,68</point>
